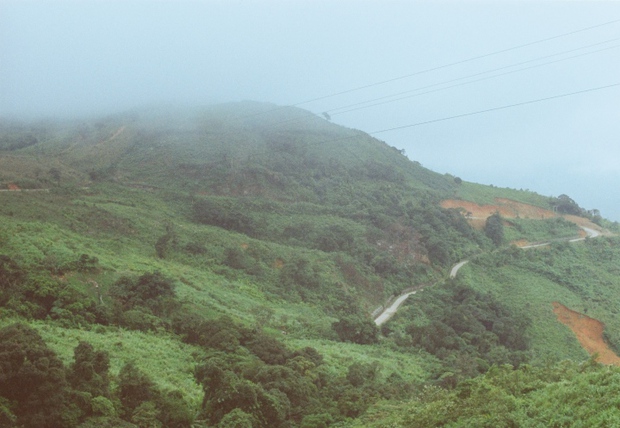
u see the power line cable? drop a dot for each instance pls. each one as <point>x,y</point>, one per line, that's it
<point>456,63</point>
<point>468,82</point>
<point>427,122</point>
<point>362,134</point>
<point>360,105</point>
<point>438,67</point>
<point>332,110</point>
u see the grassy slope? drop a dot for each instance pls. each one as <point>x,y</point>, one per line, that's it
<point>32,237</point>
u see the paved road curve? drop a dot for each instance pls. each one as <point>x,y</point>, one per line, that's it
<point>391,310</point>
<point>456,267</point>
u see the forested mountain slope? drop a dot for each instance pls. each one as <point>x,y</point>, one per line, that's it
<point>219,267</point>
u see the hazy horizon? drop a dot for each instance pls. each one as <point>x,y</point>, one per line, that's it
<point>76,59</point>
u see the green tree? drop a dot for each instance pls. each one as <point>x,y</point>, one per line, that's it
<point>360,373</point>
<point>55,174</point>
<point>89,371</point>
<point>566,205</point>
<point>32,379</point>
<point>267,348</point>
<point>149,290</point>
<point>356,329</point>
<point>146,415</point>
<point>237,418</point>
<point>174,410</point>
<point>438,250</point>
<point>134,388</point>
<point>226,391</point>
<point>494,229</point>
<point>12,276</point>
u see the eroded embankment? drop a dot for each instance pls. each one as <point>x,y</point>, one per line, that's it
<point>505,207</point>
<point>476,215</point>
<point>589,332</point>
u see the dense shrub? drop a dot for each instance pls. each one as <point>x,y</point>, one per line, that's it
<point>225,213</point>
<point>356,329</point>
<point>32,377</point>
<point>494,229</point>
<point>470,331</point>
<point>149,290</point>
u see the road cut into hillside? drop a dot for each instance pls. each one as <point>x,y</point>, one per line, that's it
<point>505,207</point>
<point>589,332</point>
<point>476,214</point>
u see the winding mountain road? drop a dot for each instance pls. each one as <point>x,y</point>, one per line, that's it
<point>389,312</point>
<point>456,267</point>
<point>591,233</point>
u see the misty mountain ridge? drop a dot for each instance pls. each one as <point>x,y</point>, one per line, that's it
<point>238,135</point>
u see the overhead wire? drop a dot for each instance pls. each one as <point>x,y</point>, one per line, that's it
<point>457,63</point>
<point>474,58</point>
<point>477,112</point>
<point>462,78</point>
<point>468,82</point>
<point>348,108</point>
<point>427,122</point>
<point>361,105</point>
<point>473,113</point>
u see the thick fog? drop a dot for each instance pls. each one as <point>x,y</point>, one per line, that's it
<point>553,62</point>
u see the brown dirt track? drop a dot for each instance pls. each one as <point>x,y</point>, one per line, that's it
<point>506,208</point>
<point>589,332</point>
<point>477,214</point>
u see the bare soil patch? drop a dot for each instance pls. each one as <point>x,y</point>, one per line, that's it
<point>589,332</point>
<point>477,214</point>
<point>507,208</point>
<point>584,222</point>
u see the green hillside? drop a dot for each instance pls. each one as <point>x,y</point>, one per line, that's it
<point>219,267</point>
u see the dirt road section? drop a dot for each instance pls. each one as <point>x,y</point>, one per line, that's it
<point>589,332</point>
<point>477,214</point>
<point>507,208</point>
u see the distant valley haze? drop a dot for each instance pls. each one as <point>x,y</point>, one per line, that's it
<point>510,93</point>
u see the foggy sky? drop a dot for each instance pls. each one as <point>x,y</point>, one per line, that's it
<point>77,58</point>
